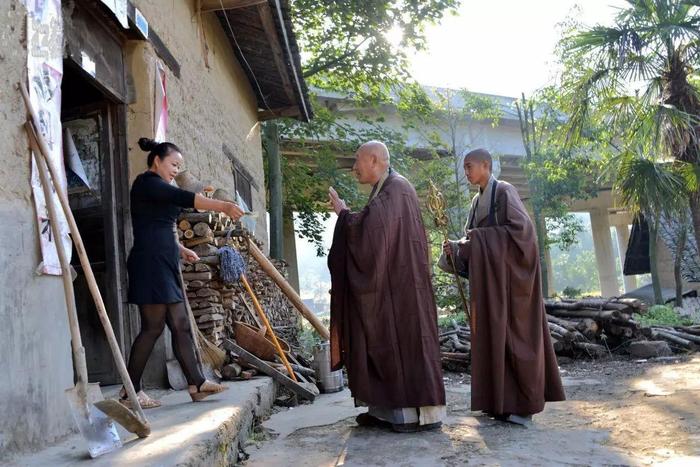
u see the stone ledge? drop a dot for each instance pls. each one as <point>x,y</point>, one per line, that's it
<point>206,433</point>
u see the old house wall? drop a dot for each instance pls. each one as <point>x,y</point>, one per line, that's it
<point>209,108</point>
<point>34,339</point>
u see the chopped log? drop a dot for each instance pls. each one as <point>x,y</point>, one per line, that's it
<point>455,355</point>
<point>588,327</point>
<point>602,304</point>
<point>202,230</point>
<point>196,276</point>
<point>208,292</point>
<point>558,345</point>
<point>593,314</point>
<point>184,225</point>
<point>621,331</point>
<point>188,234</point>
<point>558,329</point>
<point>198,241</point>
<point>458,345</point>
<point>180,234</point>
<point>593,350</point>
<point>264,367</point>
<point>634,303</point>
<point>679,341</point>
<point>694,330</point>
<point>235,233</point>
<point>201,267</point>
<point>205,249</point>
<point>570,325</point>
<point>196,217</point>
<point>192,285</point>
<point>649,349</point>
<point>210,260</point>
<point>683,335</point>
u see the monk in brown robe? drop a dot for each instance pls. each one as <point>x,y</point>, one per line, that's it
<point>383,313</point>
<point>514,369</point>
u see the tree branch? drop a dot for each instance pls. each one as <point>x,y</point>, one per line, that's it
<point>324,66</point>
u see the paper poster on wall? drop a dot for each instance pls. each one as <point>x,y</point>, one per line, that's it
<point>44,75</point>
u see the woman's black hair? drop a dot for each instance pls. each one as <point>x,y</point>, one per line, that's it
<point>162,150</point>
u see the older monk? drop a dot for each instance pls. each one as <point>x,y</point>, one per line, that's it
<point>514,369</point>
<point>383,314</point>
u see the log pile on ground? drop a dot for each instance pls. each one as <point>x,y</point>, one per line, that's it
<point>221,310</point>
<point>217,306</point>
<point>587,328</point>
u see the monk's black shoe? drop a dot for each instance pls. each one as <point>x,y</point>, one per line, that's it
<point>365,419</point>
<point>414,427</point>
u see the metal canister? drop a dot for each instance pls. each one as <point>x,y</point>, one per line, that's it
<point>327,380</point>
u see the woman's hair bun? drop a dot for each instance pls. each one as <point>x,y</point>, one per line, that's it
<point>147,144</point>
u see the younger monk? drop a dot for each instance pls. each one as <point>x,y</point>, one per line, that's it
<point>383,314</point>
<point>514,369</point>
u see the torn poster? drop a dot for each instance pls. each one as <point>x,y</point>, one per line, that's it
<point>72,158</point>
<point>44,73</point>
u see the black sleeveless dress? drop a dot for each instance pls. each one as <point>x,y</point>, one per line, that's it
<point>154,260</point>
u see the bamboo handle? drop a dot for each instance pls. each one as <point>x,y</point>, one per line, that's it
<point>76,340</point>
<point>260,311</point>
<point>84,262</point>
<point>287,289</point>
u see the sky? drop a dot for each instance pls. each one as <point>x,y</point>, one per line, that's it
<point>501,47</point>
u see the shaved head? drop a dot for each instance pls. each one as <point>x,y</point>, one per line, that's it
<point>375,148</point>
<point>371,162</point>
<point>479,155</point>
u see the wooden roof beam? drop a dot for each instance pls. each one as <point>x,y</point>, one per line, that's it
<point>215,5</point>
<point>268,23</point>
<point>291,111</point>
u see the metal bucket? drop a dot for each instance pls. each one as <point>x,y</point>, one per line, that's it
<point>327,380</point>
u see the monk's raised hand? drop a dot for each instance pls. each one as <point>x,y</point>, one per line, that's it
<point>337,203</point>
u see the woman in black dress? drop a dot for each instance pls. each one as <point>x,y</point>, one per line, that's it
<point>154,267</point>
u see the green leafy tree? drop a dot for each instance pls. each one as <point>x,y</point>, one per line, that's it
<point>449,122</point>
<point>635,78</point>
<point>346,47</point>
<point>556,175</point>
<point>651,188</point>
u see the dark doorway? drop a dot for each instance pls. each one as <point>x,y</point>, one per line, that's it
<point>96,172</point>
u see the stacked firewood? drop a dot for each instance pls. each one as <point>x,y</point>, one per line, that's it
<point>217,306</point>
<point>592,327</point>
<point>586,328</point>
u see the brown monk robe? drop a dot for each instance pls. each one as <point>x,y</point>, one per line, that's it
<point>383,313</point>
<point>514,369</point>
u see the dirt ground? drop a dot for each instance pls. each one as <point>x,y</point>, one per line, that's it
<point>618,412</point>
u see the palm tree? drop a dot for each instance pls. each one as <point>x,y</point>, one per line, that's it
<point>636,78</point>
<point>652,188</point>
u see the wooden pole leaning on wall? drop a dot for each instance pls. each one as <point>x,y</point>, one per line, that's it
<point>85,263</point>
<point>287,289</point>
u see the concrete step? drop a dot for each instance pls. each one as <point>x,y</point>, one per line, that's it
<point>205,433</point>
